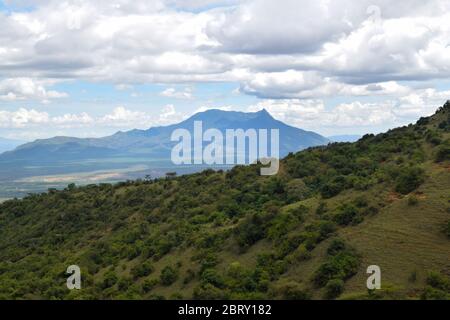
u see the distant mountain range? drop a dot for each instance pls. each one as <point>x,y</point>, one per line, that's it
<point>9,144</point>
<point>58,155</point>
<point>155,142</point>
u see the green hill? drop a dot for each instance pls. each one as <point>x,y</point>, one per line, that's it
<point>308,233</point>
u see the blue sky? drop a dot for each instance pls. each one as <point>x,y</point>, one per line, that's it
<point>84,68</point>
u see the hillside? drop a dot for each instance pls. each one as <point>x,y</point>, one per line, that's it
<point>308,233</point>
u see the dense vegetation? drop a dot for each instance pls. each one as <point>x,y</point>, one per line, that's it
<point>308,232</point>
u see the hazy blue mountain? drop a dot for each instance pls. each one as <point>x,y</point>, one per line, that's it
<point>155,142</point>
<point>152,147</point>
<point>345,138</point>
<point>9,144</point>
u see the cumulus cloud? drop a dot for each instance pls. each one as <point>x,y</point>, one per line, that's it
<point>173,93</point>
<point>22,118</point>
<point>169,115</point>
<point>293,84</point>
<point>159,41</point>
<point>356,116</point>
<point>26,89</point>
<point>119,117</point>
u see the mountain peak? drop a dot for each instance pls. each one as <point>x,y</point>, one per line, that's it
<point>264,113</point>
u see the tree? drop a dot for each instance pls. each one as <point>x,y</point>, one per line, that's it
<point>168,276</point>
<point>410,179</point>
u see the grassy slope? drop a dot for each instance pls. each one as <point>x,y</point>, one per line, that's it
<point>41,236</point>
<point>403,239</point>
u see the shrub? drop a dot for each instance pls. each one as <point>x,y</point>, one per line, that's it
<point>321,208</point>
<point>208,292</point>
<point>142,270</point>
<point>409,180</point>
<point>331,189</point>
<point>189,277</point>
<point>302,253</point>
<point>431,293</point>
<point>251,230</point>
<point>294,292</point>
<point>211,276</point>
<point>347,214</point>
<point>168,276</point>
<point>109,279</point>
<point>336,246</point>
<point>438,281</point>
<point>423,121</point>
<point>443,153</point>
<point>340,264</point>
<point>296,190</point>
<point>149,284</point>
<point>334,288</point>
<point>124,284</point>
<point>325,228</point>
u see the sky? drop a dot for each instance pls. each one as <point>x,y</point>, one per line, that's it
<point>92,68</point>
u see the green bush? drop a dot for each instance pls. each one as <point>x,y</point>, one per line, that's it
<point>409,179</point>
<point>149,284</point>
<point>109,279</point>
<point>251,230</point>
<point>331,189</point>
<point>340,264</point>
<point>443,153</point>
<point>347,214</point>
<point>438,281</point>
<point>124,283</point>
<point>334,288</point>
<point>142,270</point>
<point>293,292</point>
<point>211,276</point>
<point>336,246</point>
<point>168,276</point>
<point>208,292</point>
<point>431,293</point>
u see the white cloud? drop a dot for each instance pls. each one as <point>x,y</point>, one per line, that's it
<point>27,89</point>
<point>119,117</point>
<point>122,117</point>
<point>173,93</point>
<point>169,115</point>
<point>356,116</point>
<point>149,41</point>
<point>293,84</point>
<point>206,108</point>
<point>22,118</point>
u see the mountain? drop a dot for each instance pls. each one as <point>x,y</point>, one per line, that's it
<point>345,138</point>
<point>310,232</point>
<point>155,142</point>
<point>122,149</point>
<point>9,144</point>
